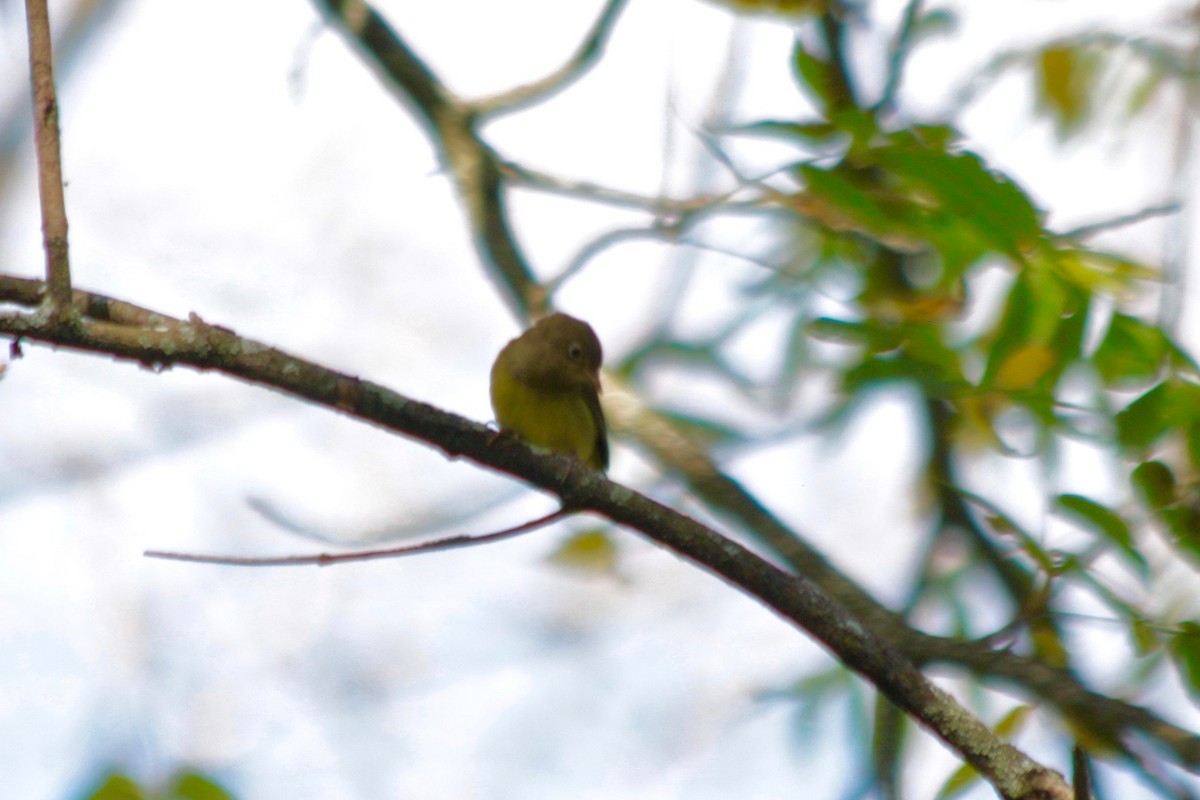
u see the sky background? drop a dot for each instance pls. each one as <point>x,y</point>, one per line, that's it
<point>223,161</point>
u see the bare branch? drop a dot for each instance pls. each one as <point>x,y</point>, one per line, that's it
<point>328,559</point>
<point>583,59</point>
<point>603,242</point>
<point>898,52</point>
<point>594,192</point>
<point>49,158</point>
<point>1093,228</point>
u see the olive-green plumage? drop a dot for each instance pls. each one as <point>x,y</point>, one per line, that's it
<point>546,389</point>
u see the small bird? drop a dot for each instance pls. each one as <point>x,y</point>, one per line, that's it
<point>546,389</point>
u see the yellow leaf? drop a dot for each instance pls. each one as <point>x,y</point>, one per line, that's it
<point>1024,367</point>
<point>588,551</point>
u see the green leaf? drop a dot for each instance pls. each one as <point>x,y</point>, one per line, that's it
<point>1185,652</point>
<point>1068,339</point>
<point>874,371</point>
<point>1155,483</point>
<point>888,737</point>
<point>1192,434</point>
<point>1039,335</point>
<point>860,124</point>
<point>1167,407</point>
<point>962,779</point>
<point>1131,350</point>
<point>1095,271</point>
<point>814,76</point>
<point>845,204</point>
<point>1106,522</point>
<point>1144,636</point>
<point>1013,722</point>
<point>935,137</point>
<point>1183,521</point>
<point>117,787</point>
<point>961,184</point>
<point>194,786</point>
<point>1142,422</point>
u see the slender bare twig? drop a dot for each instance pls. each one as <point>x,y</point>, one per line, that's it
<point>528,177</point>
<point>603,242</point>
<point>328,559</point>
<point>49,158</point>
<point>576,66</point>
<point>898,52</point>
<point>1093,228</point>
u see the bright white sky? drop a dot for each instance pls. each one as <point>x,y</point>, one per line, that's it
<point>308,213</point>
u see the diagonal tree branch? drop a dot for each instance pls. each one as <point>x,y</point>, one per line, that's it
<point>198,344</point>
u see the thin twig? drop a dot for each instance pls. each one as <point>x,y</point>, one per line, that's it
<point>1092,228</point>
<point>579,63</point>
<point>49,158</point>
<point>662,206</point>
<point>328,559</point>
<point>530,178</point>
<point>603,242</point>
<point>898,52</point>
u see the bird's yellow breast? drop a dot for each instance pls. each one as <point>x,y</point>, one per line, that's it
<point>556,419</point>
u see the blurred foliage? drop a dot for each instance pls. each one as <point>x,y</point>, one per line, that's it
<point>184,785</point>
<point>590,551</point>
<point>903,258</point>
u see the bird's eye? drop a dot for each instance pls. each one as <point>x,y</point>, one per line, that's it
<point>575,352</point>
